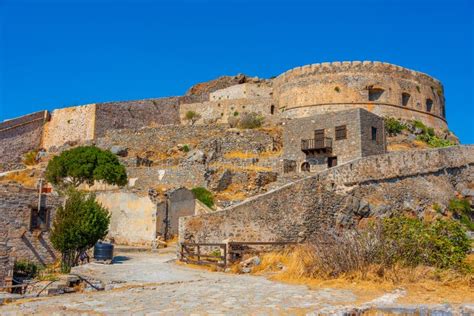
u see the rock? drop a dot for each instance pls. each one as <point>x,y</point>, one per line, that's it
<point>250,262</point>
<point>196,156</point>
<point>224,180</point>
<point>468,192</point>
<point>246,270</point>
<point>119,151</point>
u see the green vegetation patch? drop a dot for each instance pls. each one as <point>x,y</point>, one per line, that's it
<point>204,195</point>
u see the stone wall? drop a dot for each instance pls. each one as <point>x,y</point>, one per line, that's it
<point>73,124</point>
<point>16,204</point>
<point>135,114</point>
<point>242,91</point>
<point>320,88</point>
<point>133,217</point>
<point>341,197</point>
<point>180,203</point>
<point>19,136</point>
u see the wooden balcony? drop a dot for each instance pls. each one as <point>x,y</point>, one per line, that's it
<point>323,145</point>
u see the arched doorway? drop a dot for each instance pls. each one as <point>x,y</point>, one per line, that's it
<point>305,167</point>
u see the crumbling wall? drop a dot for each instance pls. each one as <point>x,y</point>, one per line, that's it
<point>340,197</point>
<point>16,204</point>
<point>133,217</point>
<point>73,124</point>
<point>19,136</point>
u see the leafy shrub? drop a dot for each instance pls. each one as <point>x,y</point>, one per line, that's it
<point>78,225</point>
<point>462,209</point>
<point>203,195</point>
<point>428,136</point>
<point>26,269</point>
<point>185,148</point>
<point>192,116</point>
<point>236,113</point>
<point>393,126</point>
<point>250,120</point>
<point>398,241</point>
<point>85,164</point>
<point>29,158</point>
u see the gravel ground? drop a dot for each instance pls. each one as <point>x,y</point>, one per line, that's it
<point>149,284</point>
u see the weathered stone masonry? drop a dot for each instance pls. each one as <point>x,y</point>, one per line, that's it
<point>340,197</point>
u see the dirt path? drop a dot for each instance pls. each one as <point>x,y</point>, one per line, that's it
<point>147,283</point>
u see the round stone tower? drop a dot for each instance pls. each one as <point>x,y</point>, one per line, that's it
<point>382,88</point>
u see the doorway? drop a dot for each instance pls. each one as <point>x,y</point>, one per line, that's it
<point>332,162</point>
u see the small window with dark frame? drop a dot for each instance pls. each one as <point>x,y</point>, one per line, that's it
<point>374,133</point>
<point>375,93</point>
<point>429,105</point>
<point>405,98</point>
<point>341,132</point>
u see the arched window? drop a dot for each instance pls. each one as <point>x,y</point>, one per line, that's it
<point>305,167</point>
<point>375,93</point>
<point>405,98</point>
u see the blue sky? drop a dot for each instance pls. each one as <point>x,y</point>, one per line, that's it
<point>61,53</point>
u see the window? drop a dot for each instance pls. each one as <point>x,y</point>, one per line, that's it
<point>405,98</point>
<point>341,132</point>
<point>319,134</point>
<point>429,105</point>
<point>39,219</point>
<point>374,133</point>
<point>272,109</point>
<point>375,93</point>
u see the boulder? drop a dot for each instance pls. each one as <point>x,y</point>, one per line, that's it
<point>196,156</point>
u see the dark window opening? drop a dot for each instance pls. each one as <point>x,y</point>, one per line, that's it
<point>39,219</point>
<point>272,109</point>
<point>429,105</point>
<point>405,98</point>
<point>375,93</point>
<point>305,167</point>
<point>341,132</point>
<point>332,162</point>
<point>443,111</point>
<point>374,133</point>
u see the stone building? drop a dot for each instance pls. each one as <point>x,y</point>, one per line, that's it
<point>323,141</point>
<point>25,220</point>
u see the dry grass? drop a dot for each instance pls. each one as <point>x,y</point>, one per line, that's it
<point>234,192</point>
<point>404,146</point>
<point>248,155</point>
<point>423,284</point>
<point>240,168</point>
<point>22,177</point>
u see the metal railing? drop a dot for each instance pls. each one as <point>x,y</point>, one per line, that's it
<point>311,144</point>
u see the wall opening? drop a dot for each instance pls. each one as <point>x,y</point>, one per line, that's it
<point>332,162</point>
<point>429,105</point>
<point>39,219</point>
<point>405,98</point>
<point>374,133</point>
<point>305,167</point>
<point>272,109</point>
<point>375,93</point>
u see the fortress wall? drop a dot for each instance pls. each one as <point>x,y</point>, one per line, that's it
<point>319,88</point>
<point>136,114</point>
<point>220,111</point>
<point>242,91</point>
<point>19,136</point>
<point>73,124</point>
<point>340,197</point>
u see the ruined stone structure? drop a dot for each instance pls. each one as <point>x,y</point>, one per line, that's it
<point>138,220</point>
<point>321,141</point>
<point>381,88</point>
<point>340,197</point>
<point>25,220</point>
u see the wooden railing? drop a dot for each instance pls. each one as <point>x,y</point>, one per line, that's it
<point>312,144</point>
<point>230,252</point>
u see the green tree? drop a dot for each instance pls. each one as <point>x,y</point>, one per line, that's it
<point>85,164</point>
<point>77,226</point>
<point>192,116</point>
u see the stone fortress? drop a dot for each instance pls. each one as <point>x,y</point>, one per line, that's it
<point>322,157</point>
